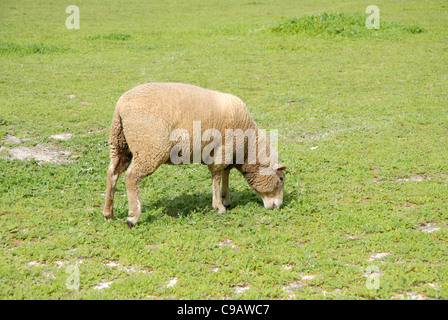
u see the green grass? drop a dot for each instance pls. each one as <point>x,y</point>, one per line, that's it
<point>361,116</point>
<point>110,36</point>
<point>7,48</point>
<point>331,24</point>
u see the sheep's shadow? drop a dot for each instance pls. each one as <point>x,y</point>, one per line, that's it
<point>185,204</point>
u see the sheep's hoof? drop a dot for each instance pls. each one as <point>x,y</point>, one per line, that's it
<point>225,203</point>
<point>108,217</point>
<point>220,210</point>
<point>130,224</point>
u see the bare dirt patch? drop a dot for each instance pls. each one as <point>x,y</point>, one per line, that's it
<point>240,290</point>
<point>129,269</point>
<point>40,153</point>
<point>227,243</point>
<point>429,227</point>
<point>378,256</point>
<point>408,296</point>
<point>103,284</point>
<point>290,288</point>
<point>416,178</point>
<point>62,136</point>
<point>297,285</point>
<point>10,139</point>
<point>172,282</point>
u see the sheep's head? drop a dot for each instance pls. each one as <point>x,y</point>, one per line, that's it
<point>268,186</point>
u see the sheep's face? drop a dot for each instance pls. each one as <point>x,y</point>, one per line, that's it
<point>269,187</point>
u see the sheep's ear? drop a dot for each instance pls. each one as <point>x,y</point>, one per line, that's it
<point>279,166</point>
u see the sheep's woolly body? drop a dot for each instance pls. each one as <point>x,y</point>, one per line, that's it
<point>151,112</point>
<point>146,116</point>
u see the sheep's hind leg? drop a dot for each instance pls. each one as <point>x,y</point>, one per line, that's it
<point>134,175</point>
<point>118,163</point>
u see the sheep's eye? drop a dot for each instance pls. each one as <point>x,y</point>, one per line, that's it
<point>281,179</point>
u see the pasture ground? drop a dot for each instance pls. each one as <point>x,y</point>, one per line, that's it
<point>362,123</point>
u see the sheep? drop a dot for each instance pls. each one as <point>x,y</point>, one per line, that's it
<point>141,139</point>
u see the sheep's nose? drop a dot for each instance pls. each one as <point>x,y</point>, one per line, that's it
<point>277,205</point>
<point>270,207</point>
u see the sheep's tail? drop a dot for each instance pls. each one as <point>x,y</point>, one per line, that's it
<point>117,141</point>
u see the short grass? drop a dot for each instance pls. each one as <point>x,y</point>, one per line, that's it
<point>361,116</point>
<point>332,24</point>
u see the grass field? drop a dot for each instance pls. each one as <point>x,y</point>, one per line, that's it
<point>362,122</point>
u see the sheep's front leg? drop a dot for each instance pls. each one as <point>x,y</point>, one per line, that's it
<point>217,204</point>
<point>225,193</point>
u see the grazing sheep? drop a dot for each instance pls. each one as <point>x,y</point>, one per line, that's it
<point>143,124</point>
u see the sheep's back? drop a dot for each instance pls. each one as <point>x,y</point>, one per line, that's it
<point>177,105</point>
